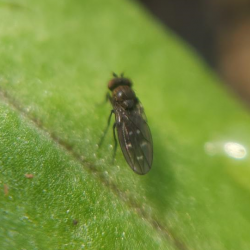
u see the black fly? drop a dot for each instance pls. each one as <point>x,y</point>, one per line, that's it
<point>130,121</point>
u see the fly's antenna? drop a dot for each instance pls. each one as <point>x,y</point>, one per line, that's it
<point>115,75</point>
<point>122,74</point>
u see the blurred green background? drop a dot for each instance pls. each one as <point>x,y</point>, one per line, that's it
<point>217,29</point>
<point>56,60</point>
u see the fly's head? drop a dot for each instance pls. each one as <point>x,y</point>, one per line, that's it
<point>119,81</point>
<point>123,95</point>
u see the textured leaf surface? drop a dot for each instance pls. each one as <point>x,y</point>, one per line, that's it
<point>56,59</point>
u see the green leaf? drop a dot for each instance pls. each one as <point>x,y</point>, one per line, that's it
<point>56,59</point>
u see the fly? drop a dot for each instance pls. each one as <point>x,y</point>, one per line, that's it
<point>131,125</point>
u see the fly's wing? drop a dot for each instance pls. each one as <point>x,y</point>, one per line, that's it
<point>135,139</point>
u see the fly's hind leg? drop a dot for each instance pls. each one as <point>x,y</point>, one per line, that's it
<point>115,146</point>
<point>106,129</point>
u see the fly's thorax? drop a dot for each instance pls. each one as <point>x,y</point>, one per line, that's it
<point>125,97</point>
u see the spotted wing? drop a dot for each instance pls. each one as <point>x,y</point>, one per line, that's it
<point>135,139</point>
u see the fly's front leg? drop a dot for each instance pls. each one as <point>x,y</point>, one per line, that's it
<point>106,129</point>
<point>115,146</point>
<point>107,98</point>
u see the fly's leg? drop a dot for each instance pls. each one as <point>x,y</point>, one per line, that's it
<point>115,146</point>
<point>106,129</point>
<point>107,98</point>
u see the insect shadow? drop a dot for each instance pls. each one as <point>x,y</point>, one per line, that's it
<point>160,184</point>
